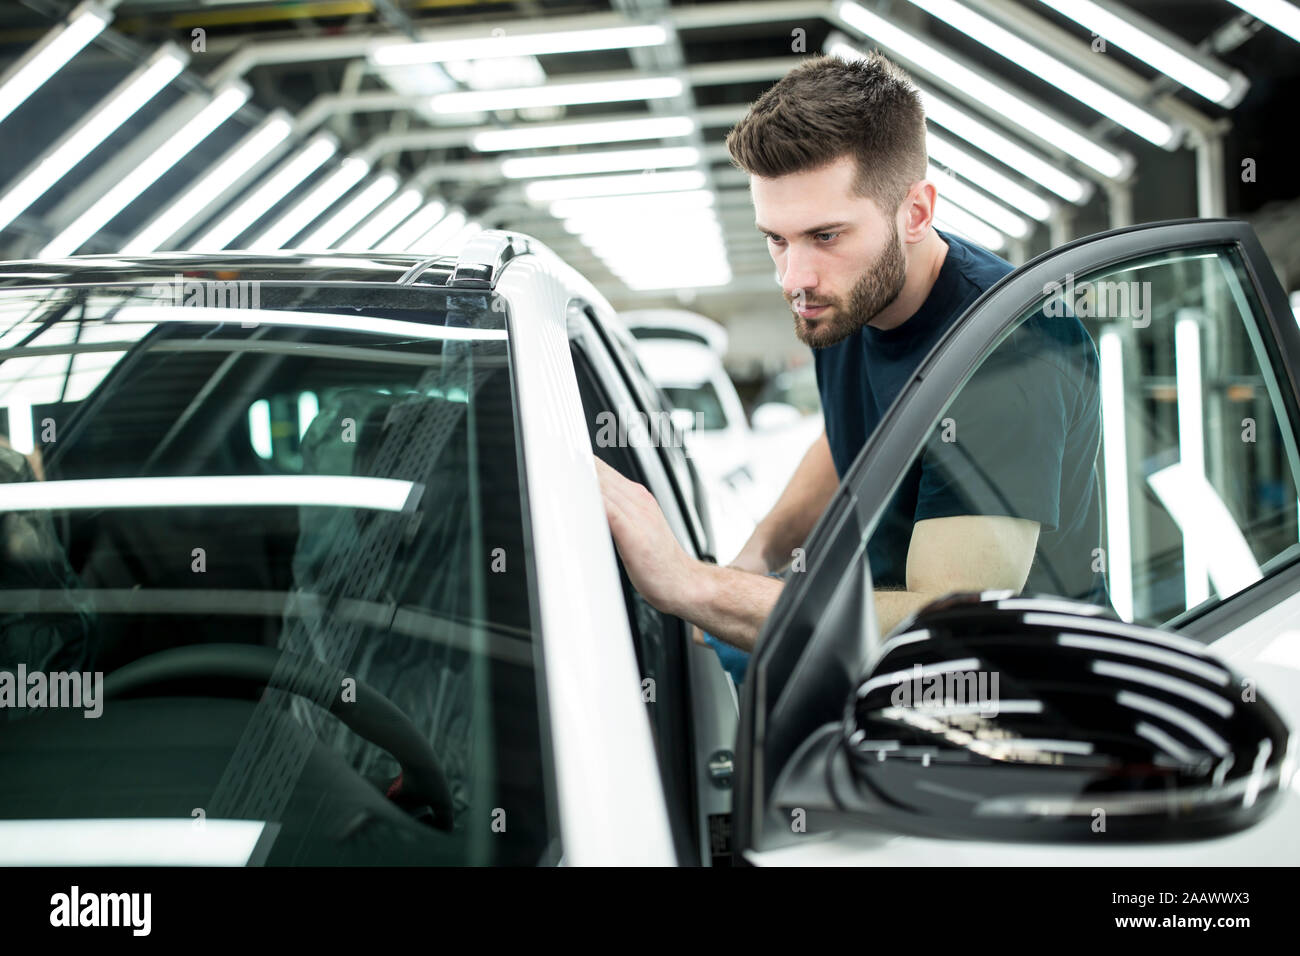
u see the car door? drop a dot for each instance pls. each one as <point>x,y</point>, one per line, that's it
<point>1172,349</point>
<point>694,708</point>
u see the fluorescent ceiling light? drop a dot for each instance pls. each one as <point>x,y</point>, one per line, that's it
<point>360,206</point>
<point>246,153</point>
<point>669,280</point>
<point>430,241</point>
<point>534,44</point>
<point>1278,14</point>
<point>382,223</point>
<point>501,73</point>
<point>111,112</point>
<point>940,111</point>
<point>303,164</point>
<point>575,164</point>
<point>303,213</point>
<point>212,315</point>
<point>1118,27</point>
<point>995,214</point>
<point>1005,150</point>
<point>982,90</point>
<point>972,227</point>
<point>222,107</point>
<point>1048,68</point>
<point>577,134</point>
<point>30,72</point>
<point>946,153</point>
<point>679,232</point>
<point>412,229</point>
<point>591,186</point>
<point>222,491</point>
<point>615,207</point>
<point>557,94</point>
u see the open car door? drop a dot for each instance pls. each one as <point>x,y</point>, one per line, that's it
<point>1150,676</point>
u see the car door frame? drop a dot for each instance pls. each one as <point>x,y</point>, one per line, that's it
<point>892,446</point>
<point>609,792</point>
<point>714,704</point>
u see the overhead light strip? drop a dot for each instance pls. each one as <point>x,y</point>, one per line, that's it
<point>308,209</point>
<point>111,112</point>
<point>35,67</point>
<point>978,133</point>
<point>126,190</point>
<point>383,222</point>
<point>254,147</point>
<point>990,95</point>
<point>1122,27</point>
<point>310,158</point>
<point>581,134</point>
<point>1048,68</point>
<point>557,94</point>
<point>364,203</point>
<point>530,44</point>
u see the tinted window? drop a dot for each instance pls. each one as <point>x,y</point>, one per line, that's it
<point>313,494</point>
<point>702,402</point>
<point>1135,415</point>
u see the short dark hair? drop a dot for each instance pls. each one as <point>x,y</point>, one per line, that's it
<point>827,108</point>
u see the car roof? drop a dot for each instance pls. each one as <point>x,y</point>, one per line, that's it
<point>478,265</point>
<point>225,266</point>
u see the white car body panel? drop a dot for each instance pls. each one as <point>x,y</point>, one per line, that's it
<point>611,800</point>
<point>680,320</point>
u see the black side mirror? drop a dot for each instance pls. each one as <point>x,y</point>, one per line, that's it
<point>1015,718</point>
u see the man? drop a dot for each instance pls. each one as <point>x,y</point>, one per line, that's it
<point>837,159</point>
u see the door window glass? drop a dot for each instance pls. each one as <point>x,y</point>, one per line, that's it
<point>1134,416</point>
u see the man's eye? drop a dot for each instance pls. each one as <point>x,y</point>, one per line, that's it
<point>772,238</point>
<point>831,235</point>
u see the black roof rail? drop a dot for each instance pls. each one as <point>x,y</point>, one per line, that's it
<point>480,263</point>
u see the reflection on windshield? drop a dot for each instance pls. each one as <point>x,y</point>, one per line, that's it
<point>291,540</point>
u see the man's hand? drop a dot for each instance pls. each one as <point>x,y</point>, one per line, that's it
<point>730,604</point>
<point>663,573</point>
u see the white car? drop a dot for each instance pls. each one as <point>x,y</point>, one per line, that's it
<point>337,549</point>
<point>744,469</point>
<point>717,435</point>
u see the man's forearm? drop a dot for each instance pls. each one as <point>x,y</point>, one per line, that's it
<point>733,605</point>
<point>729,603</point>
<point>892,607</point>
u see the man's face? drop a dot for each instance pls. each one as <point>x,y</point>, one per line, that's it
<point>838,254</point>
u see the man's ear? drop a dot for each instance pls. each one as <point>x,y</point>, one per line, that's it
<point>917,211</point>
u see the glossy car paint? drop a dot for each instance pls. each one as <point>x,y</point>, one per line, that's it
<point>611,801</point>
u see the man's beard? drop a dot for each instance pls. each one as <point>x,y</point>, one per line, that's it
<point>878,287</point>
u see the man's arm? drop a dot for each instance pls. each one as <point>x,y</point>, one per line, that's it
<point>960,553</point>
<point>787,525</point>
<point>964,553</point>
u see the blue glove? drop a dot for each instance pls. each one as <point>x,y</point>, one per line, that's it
<point>734,661</point>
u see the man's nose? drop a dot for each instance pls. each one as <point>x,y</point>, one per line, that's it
<point>798,274</point>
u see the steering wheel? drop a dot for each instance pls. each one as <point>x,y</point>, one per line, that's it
<point>371,716</point>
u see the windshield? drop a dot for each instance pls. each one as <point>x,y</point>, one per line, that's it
<point>264,578</point>
<point>702,401</point>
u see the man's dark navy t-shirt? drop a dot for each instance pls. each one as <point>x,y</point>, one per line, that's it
<point>1019,439</point>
